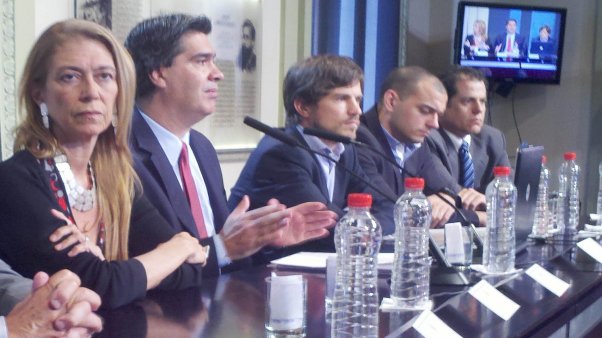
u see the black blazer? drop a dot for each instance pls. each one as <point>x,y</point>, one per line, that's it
<point>163,190</point>
<point>26,224</point>
<point>293,176</point>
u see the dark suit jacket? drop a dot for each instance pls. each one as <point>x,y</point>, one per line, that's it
<point>162,188</point>
<point>488,150</point>
<point>519,40</point>
<point>293,176</point>
<point>388,177</point>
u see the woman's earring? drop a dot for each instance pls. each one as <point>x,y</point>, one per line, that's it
<point>44,113</point>
<point>114,123</point>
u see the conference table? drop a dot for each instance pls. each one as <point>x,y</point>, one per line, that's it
<point>233,305</point>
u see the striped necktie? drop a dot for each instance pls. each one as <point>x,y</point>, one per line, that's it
<point>466,165</point>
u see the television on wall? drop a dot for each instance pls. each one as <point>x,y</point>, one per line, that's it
<point>511,43</point>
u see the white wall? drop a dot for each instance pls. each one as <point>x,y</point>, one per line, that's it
<point>290,34</point>
<point>555,116</point>
<point>287,41</point>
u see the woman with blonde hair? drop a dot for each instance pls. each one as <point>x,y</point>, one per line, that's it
<point>71,155</point>
<point>478,43</point>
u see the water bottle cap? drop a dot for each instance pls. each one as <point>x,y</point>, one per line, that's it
<point>359,200</point>
<point>544,159</point>
<point>501,171</point>
<point>414,183</point>
<point>569,156</point>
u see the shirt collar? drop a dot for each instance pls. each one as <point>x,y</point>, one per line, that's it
<point>315,143</point>
<point>395,144</point>
<point>457,141</point>
<point>170,143</point>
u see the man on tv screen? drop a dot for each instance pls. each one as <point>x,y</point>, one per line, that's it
<point>510,43</point>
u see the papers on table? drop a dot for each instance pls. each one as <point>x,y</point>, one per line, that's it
<point>494,300</point>
<point>431,326</point>
<point>317,260</point>
<point>542,276</point>
<point>592,248</point>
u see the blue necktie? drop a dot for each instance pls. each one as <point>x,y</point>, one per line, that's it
<point>467,173</point>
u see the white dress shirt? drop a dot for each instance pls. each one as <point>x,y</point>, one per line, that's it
<point>457,141</point>
<point>172,146</point>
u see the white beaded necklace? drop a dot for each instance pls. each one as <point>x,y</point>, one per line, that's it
<point>80,199</point>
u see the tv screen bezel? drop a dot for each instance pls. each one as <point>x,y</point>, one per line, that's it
<point>457,49</point>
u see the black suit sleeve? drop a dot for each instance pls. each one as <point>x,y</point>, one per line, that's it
<point>148,230</point>
<point>287,174</point>
<point>26,224</point>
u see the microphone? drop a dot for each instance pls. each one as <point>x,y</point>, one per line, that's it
<point>321,133</point>
<point>273,132</point>
<point>283,137</point>
<point>347,140</point>
<point>477,238</point>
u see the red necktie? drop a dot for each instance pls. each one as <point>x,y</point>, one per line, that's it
<point>509,45</point>
<point>190,191</point>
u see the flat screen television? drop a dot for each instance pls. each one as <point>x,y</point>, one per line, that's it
<point>511,43</point>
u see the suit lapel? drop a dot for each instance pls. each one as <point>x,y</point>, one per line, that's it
<point>213,181</point>
<point>147,141</point>
<point>452,155</point>
<point>323,186</point>
<point>373,124</point>
<point>479,160</point>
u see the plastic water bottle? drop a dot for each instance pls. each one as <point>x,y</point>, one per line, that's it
<point>599,210</point>
<point>568,191</point>
<point>499,248</point>
<point>541,222</point>
<point>357,239</point>
<point>411,265</point>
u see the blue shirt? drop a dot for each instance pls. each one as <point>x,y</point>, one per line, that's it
<point>400,151</point>
<point>326,165</point>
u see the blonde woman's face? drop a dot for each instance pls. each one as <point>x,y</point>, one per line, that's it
<point>80,90</point>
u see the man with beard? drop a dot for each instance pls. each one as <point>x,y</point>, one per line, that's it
<point>323,92</point>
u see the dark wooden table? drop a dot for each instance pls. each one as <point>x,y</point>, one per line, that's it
<point>234,305</point>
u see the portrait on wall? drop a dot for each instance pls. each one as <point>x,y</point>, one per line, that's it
<point>98,11</point>
<point>247,59</point>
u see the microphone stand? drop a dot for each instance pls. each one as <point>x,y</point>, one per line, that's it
<point>445,274</point>
<point>449,277</point>
<point>347,140</point>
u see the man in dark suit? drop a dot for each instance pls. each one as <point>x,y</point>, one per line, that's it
<point>510,42</point>
<point>323,92</point>
<point>409,105</point>
<point>178,167</point>
<point>466,147</point>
